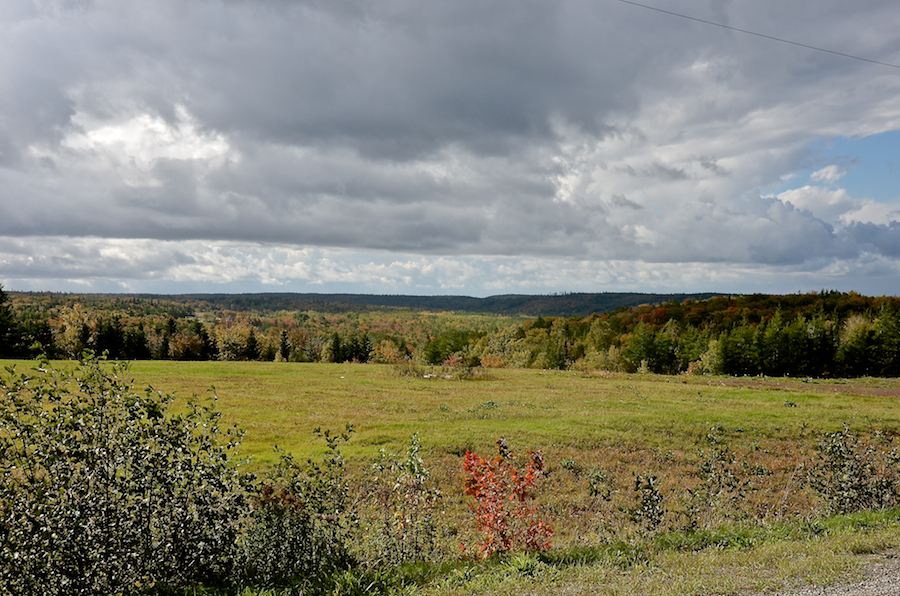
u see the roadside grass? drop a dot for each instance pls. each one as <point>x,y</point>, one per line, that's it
<point>598,433</point>
<point>786,557</point>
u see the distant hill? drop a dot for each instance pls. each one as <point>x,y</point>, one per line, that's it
<point>574,304</point>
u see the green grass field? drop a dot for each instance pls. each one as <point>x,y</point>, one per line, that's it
<point>280,403</point>
<point>590,427</point>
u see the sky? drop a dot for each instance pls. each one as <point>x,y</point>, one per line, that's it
<point>463,147</point>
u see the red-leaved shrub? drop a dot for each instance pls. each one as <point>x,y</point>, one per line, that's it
<point>502,493</point>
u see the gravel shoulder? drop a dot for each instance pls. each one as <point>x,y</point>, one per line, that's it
<point>882,578</point>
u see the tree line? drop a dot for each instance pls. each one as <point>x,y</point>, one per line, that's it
<point>829,334</point>
<point>822,334</point>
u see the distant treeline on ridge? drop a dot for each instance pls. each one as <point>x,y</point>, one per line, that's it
<point>556,305</point>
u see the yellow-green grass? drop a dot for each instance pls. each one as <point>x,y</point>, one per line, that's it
<point>618,423</point>
<point>280,403</point>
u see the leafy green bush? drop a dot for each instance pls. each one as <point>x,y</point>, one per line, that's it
<point>298,531</point>
<point>649,510</point>
<point>853,475</point>
<point>723,488</point>
<point>102,490</point>
<point>600,484</point>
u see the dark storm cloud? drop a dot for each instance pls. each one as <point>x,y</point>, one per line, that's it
<point>879,239</point>
<point>515,129</point>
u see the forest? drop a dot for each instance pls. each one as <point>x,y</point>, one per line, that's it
<point>821,334</point>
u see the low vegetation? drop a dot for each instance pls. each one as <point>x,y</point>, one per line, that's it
<point>527,481</point>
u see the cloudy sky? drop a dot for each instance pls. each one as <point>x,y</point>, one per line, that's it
<point>469,147</point>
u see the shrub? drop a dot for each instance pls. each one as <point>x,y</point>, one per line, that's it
<point>723,487</point>
<point>493,485</point>
<point>103,490</point>
<point>402,501</point>
<point>599,484</point>
<point>298,531</point>
<point>855,475</point>
<point>572,466</point>
<point>649,510</point>
<point>407,368</point>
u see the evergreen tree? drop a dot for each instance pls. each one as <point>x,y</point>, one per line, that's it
<point>856,355</point>
<point>886,339</point>
<point>10,331</point>
<point>284,345</point>
<point>738,350</point>
<point>822,346</point>
<point>110,338</point>
<point>136,345</point>
<point>337,349</point>
<point>252,350</point>
<point>665,349</point>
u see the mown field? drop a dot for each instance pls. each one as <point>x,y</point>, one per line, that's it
<point>734,460</point>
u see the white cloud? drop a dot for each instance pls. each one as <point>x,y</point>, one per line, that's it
<point>144,138</point>
<point>826,204</point>
<point>838,208</point>
<point>831,173</point>
<point>873,212</point>
<point>189,266</point>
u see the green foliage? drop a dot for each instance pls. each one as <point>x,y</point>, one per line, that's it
<point>298,531</point>
<point>649,510</point>
<point>10,332</point>
<point>316,528</point>
<point>821,335</point>
<point>356,348</point>
<point>402,501</point>
<point>441,347</point>
<point>103,490</point>
<point>723,487</point>
<point>853,474</point>
<point>600,484</point>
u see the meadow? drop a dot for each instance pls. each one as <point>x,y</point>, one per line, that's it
<point>733,506</point>
<point>597,432</point>
<point>566,414</point>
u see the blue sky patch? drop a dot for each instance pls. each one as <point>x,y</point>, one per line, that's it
<point>871,166</point>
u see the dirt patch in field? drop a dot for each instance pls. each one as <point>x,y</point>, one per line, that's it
<point>849,387</point>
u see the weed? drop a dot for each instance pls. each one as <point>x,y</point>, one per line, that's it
<point>649,511</point>
<point>350,582</point>
<point>403,501</point>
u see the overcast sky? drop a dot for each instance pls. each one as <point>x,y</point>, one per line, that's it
<point>469,147</point>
